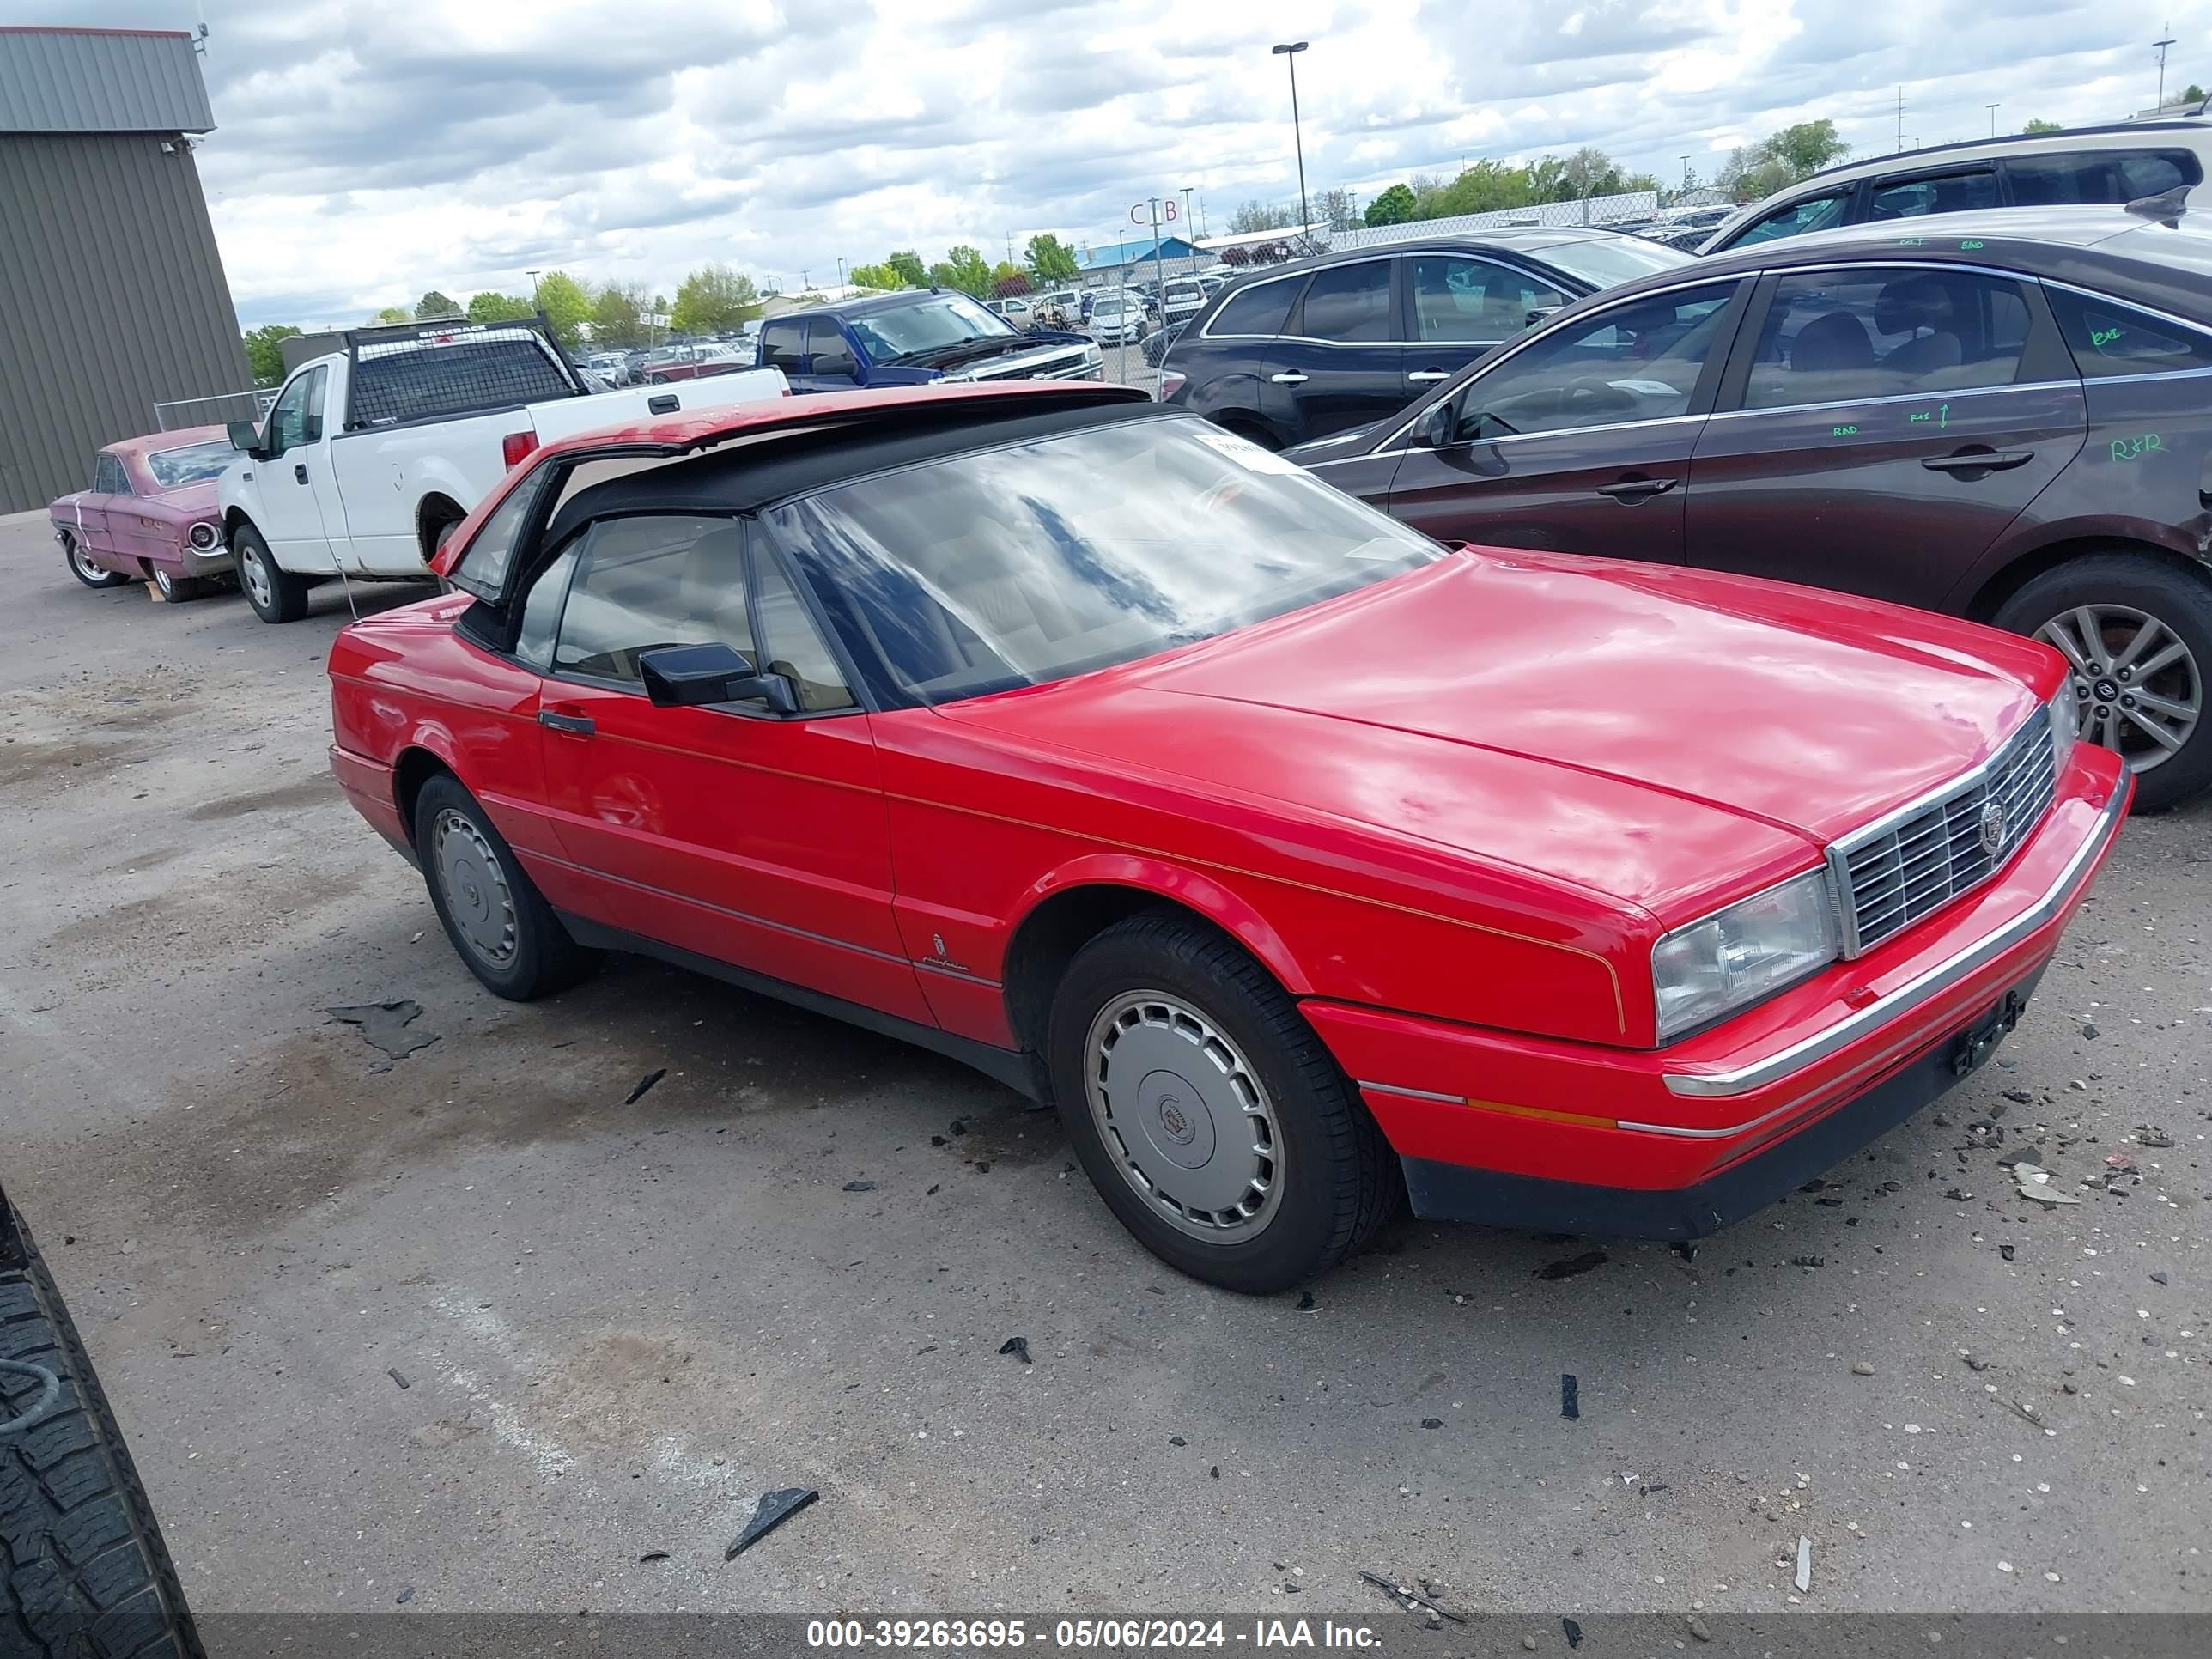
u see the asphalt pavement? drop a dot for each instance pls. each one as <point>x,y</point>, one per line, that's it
<point>467,1323</point>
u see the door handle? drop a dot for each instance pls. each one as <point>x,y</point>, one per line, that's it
<point>1986,460</point>
<point>1292,378</point>
<point>1429,374</point>
<point>1633,490</point>
<point>665,404</point>
<point>299,471</point>
<point>576,726</point>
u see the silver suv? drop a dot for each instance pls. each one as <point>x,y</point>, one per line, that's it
<point>2120,163</point>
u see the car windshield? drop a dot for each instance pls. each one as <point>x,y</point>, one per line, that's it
<point>191,463</point>
<point>1022,565</point>
<point>1605,261</point>
<point>925,326</point>
<point>1115,302</point>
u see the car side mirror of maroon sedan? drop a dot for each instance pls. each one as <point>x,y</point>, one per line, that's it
<point>698,676</point>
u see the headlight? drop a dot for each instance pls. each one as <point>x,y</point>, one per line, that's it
<point>201,536</point>
<point>2065,725</point>
<point>1090,354</point>
<point>1743,954</point>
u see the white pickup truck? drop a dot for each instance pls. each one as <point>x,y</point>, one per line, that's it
<point>372,454</point>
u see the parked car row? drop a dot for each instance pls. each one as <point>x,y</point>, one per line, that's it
<point>1310,867</point>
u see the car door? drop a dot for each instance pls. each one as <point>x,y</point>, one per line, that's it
<point>1880,426</point>
<point>1338,363</point>
<point>1458,306</point>
<point>1579,441</point>
<point>757,839</point>
<point>291,518</point>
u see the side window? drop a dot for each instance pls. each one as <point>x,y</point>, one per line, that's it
<point>2099,176</point>
<point>2110,339</point>
<point>1639,360</point>
<point>1812,213</point>
<point>541,608</point>
<point>107,477</point>
<point>1950,192</point>
<point>1348,303</point>
<point>672,579</point>
<point>1840,335</point>
<point>781,344</point>
<point>1456,298</point>
<point>832,355</point>
<point>287,421</point>
<point>793,646</point>
<point>482,569</point>
<point>1260,309</point>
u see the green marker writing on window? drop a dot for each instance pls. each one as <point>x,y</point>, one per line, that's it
<point>1845,431</point>
<point>2103,336</point>
<point>1970,245</point>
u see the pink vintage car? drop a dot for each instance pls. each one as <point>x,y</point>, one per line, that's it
<point>150,514</point>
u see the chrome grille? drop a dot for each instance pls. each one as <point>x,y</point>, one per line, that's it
<point>1071,367</point>
<point>1891,874</point>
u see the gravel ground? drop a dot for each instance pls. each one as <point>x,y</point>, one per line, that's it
<point>618,1324</point>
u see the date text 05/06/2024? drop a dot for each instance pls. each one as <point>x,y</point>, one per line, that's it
<point>1086,1635</point>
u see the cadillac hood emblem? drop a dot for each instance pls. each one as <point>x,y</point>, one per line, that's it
<point>1993,827</point>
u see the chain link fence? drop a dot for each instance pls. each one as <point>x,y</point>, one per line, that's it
<point>217,408</point>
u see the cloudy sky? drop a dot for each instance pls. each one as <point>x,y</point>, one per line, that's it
<point>370,149</point>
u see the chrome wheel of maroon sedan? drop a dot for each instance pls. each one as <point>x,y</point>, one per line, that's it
<point>85,570</point>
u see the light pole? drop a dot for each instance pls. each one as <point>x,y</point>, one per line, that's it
<point>1189,234</point>
<point>533,286</point>
<point>1993,120</point>
<point>2163,45</point>
<point>1290,51</point>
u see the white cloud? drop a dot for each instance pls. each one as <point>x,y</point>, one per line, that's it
<point>369,151</point>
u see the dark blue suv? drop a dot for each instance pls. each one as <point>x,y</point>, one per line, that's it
<point>913,338</point>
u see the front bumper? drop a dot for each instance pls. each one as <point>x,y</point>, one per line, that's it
<point>1674,1142</point>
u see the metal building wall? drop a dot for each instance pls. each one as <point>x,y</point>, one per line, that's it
<point>113,298</point>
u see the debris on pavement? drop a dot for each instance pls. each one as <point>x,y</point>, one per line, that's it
<point>393,1371</point>
<point>1573,1265</point>
<point>1861,1367</point>
<point>405,1596</point>
<point>1573,1632</point>
<point>1432,1422</point>
<point>2150,1135</point>
<point>1808,1262</point>
<point>2034,1181</point>
<point>775,1508</point>
<point>652,1555</point>
<point>1305,1301</point>
<point>1570,1405</point>
<point>2159,1278</point>
<point>1700,1629</point>
<point>1409,1598</point>
<point>1019,1347</point>
<point>383,1026</point>
<point>1804,1562</point>
<point>643,1085</point>
<point>860,1185</point>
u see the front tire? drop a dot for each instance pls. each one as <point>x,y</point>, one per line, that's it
<point>1211,1118</point>
<point>276,594</point>
<point>2137,635</point>
<point>175,589</point>
<point>83,1569</point>
<point>492,913</point>
<point>85,570</point>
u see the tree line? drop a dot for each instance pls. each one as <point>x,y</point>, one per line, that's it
<point>1045,261</point>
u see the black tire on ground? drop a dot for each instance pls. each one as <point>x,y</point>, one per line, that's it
<point>543,959</point>
<point>178,590</point>
<point>90,574</point>
<point>83,1569</point>
<point>1340,1179</point>
<point>276,593</point>
<point>2182,604</point>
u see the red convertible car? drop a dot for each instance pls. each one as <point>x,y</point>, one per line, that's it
<point>150,515</point>
<point>1306,865</point>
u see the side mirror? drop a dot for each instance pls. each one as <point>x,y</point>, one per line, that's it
<point>1537,313</point>
<point>695,676</point>
<point>1438,427</point>
<point>245,436</point>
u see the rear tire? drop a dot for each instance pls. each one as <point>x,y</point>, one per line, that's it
<point>2108,613</point>
<point>497,920</point>
<point>85,570</point>
<point>1212,1119</point>
<point>276,593</point>
<point>83,1569</point>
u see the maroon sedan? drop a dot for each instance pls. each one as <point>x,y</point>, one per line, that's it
<point>150,514</point>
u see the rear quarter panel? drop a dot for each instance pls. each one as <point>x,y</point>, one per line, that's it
<point>385,475</point>
<point>2144,475</point>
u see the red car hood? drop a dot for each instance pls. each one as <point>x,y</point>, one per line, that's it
<point>1644,732</point>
